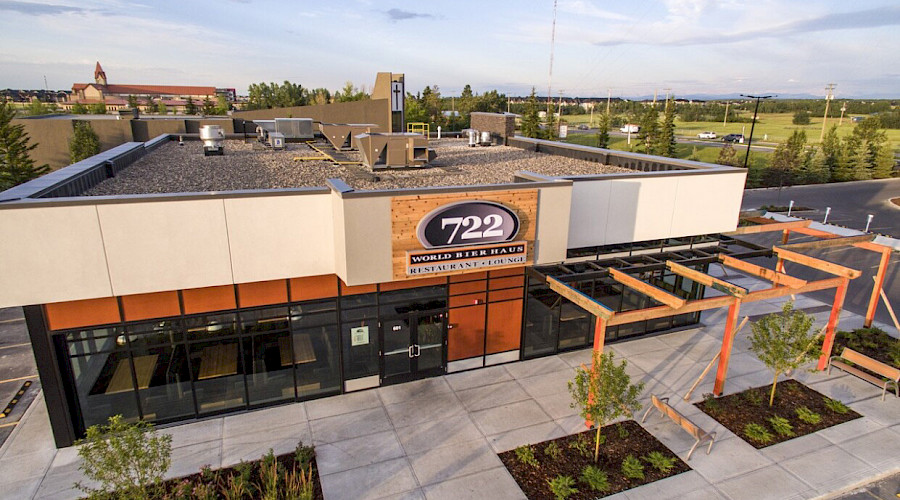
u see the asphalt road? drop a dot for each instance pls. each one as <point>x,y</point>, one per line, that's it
<point>850,203</point>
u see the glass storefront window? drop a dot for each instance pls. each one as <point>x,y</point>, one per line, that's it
<point>359,336</point>
<point>316,358</point>
<point>541,320</point>
<point>268,358</point>
<point>218,373</point>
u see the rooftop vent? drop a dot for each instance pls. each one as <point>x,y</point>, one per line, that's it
<point>213,137</point>
<point>341,135</point>
<point>394,150</point>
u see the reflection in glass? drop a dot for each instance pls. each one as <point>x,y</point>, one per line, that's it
<point>218,375</point>
<point>541,320</point>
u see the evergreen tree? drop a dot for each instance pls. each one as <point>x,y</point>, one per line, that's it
<point>603,131</point>
<point>552,127</point>
<point>132,101</point>
<point>16,165</point>
<point>414,111</point>
<point>868,151</point>
<point>208,106</point>
<point>37,108</point>
<point>189,107</point>
<point>787,160</point>
<point>832,155</point>
<point>84,142</point>
<point>98,109</point>
<point>151,104</point>
<point>79,109</point>
<point>530,121</point>
<point>665,142</point>
<point>222,106</point>
<point>728,156</point>
<point>161,108</point>
<point>649,133</point>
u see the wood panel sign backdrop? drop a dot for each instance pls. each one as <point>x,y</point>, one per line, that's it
<point>454,233</point>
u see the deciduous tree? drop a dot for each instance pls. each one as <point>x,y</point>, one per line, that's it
<point>783,341</point>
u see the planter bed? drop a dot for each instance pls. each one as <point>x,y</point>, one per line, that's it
<point>622,439</point>
<point>751,406</point>
<point>873,342</point>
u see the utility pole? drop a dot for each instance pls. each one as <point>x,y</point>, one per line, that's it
<point>550,78</point>
<point>725,121</point>
<point>752,125</point>
<point>654,97</point>
<point>843,108</point>
<point>592,115</point>
<point>608,95</point>
<point>667,97</point>
<point>828,98</point>
<point>560,103</point>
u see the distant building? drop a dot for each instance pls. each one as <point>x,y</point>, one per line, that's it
<point>115,96</point>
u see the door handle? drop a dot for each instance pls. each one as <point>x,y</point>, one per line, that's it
<point>412,351</point>
<point>418,350</point>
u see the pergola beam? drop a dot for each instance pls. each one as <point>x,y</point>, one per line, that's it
<point>647,289</point>
<point>830,242</point>
<point>865,245</point>
<point>766,227</point>
<point>761,272</point>
<point>705,279</point>
<point>580,299</point>
<point>822,265</point>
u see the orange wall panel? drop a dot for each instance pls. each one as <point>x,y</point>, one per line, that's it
<point>207,299</point>
<point>471,286</point>
<point>512,293</point>
<point>150,305</point>
<point>314,287</point>
<point>356,290</point>
<point>458,278</point>
<point>79,313</point>
<point>262,293</point>
<point>516,281</point>
<point>400,285</point>
<point>468,300</point>
<point>513,271</point>
<point>504,326</point>
<point>466,337</point>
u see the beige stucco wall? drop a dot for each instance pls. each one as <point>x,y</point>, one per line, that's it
<point>364,230</point>
<point>639,208</point>
<point>554,205</point>
<point>375,111</point>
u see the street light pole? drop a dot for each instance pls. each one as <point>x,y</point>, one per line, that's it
<point>753,125</point>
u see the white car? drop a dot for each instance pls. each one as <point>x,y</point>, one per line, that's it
<point>707,135</point>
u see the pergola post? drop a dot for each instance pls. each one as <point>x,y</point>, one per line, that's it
<point>727,343</point>
<point>879,283</point>
<point>785,235</point>
<point>828,344</point>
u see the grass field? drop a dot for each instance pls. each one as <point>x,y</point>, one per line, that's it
<point>770,127</point>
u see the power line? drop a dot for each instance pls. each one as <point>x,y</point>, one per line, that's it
<point>550,77</point>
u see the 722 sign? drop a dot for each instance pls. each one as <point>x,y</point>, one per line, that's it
<point>468,223</point>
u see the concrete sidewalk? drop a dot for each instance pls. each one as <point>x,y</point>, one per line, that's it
<point>438,438</point>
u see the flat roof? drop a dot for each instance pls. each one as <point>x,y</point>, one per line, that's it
<point>171,168</point>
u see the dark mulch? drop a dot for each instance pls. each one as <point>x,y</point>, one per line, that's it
<point>735,411</point>
<point>632,440</point>
<point>220,477</point>
<point>873,342</point>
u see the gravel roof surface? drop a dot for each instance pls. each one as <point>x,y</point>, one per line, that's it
<point>247,165</point>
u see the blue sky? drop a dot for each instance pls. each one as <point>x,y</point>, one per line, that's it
<point>634,48</point>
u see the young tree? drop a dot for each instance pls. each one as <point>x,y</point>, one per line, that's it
<point>37,108</point>
<point>98,108</point>
<point>79,109</point>
<point>648,135</point>
<point>783,341</point>
<point>208,106</point>
<point>84,142</point>
<point>787,160</point>
<point>603,131</point>
<point>350,93</point>
<point>16,165</point>
<point>552,127</point>
<point>128,460</point>
<point>832,154</point>
<point>222,106</point>
<point>868,151</point>
<point>132,101</point>
<point>604,392</point>
<point>151,104</point>
<point>728,156</point>
<point>161,108</point>
<point>530,120</point>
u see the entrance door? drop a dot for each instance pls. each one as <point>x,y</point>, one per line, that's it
<point>413,346</point>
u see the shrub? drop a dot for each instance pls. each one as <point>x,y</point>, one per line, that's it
<point>660,462</point>
<point>836,406</point>
<point>270,476</point>
<point>623,432</point>
<point>127,459</point>
<point>781,426</point>
<point>808,416</point>
<point>758,433</point>
<point>525,454</point>
<point>553,450</point>
<point>753,397</point>
<point>595,479</point>
<point>582,445</point>
<point>894,352</point>
<point>632,468</point>
<point>562,487</point>
<point>304,455</point>
<point>711,402</point>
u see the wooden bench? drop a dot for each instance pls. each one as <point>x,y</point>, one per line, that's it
<point>662,404</point>
<point>891,374</point>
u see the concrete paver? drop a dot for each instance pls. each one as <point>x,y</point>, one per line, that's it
<point>831,468</point>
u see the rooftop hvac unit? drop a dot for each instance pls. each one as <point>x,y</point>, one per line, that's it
<point>486,138</point>
<point>213,138</point>
<point>275,140</point>
<point>341,135</point>
<point>473,137</point>
<point>295,128</point>
<point>263,129</point>
<point>394,150</point>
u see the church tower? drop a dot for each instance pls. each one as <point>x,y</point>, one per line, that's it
<point>99,75</point>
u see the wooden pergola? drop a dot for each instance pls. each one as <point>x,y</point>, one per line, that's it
<point>733,295</point>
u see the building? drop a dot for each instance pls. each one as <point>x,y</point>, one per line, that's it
<point>164,285</point>
<point>115,96</point>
